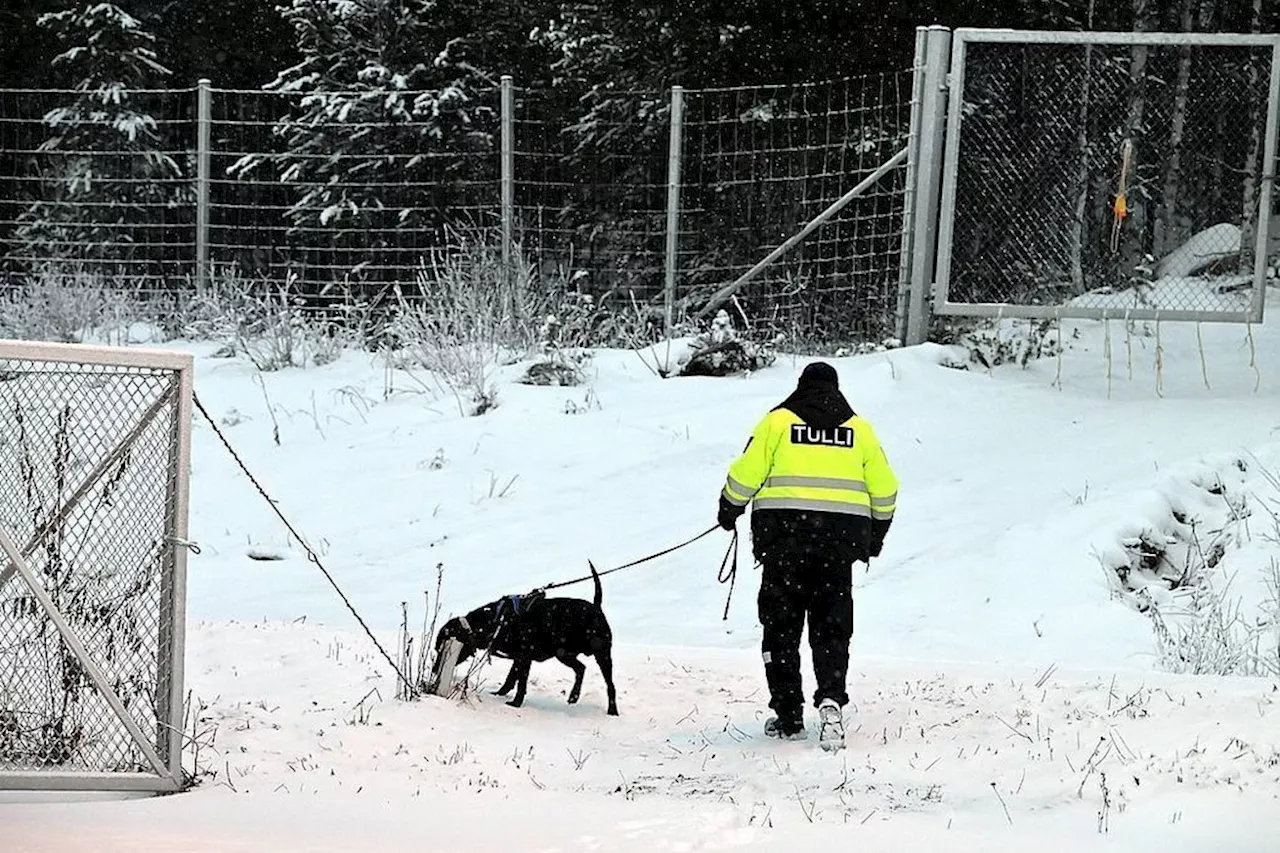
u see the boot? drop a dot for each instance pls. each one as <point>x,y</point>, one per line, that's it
<point>784,729</point>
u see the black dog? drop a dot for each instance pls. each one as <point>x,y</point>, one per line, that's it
<point>535,628</point>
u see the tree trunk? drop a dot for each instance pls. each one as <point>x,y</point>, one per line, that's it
<point>1249,217</point>
<point>1082,173</point>
<point>1166,218</point>
<point>1134,267</point>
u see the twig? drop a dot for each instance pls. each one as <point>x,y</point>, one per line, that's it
<point>1204,366</point>
<point>808,812</point>
<point>1091,765</point>
<point>1007,816</point>
<point>275,424</point>
<point>1015,731</point>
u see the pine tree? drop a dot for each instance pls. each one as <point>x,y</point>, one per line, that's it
<point>106,185</point>
<point>376,130</point>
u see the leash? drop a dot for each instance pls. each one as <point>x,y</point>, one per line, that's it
<point>729,562</point>
<point>311,554</point>
<point>662,553</point>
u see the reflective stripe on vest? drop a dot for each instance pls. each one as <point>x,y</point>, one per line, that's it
<point>813,504</point>
<point>791,481</point>
<point>738,494</point>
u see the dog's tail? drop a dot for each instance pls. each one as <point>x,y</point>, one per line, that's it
<point>595,577</point>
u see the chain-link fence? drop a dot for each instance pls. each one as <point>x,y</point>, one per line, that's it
<point>92,513</point>
<point>1092,175</point>
<point>326,197</point>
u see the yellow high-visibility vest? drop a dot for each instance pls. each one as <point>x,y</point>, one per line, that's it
<point>788,464</point>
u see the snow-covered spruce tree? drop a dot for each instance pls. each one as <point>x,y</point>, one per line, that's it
<point>379,118</point>
<point>106,185</point>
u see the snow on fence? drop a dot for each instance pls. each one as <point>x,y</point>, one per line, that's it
<point>94,462</point>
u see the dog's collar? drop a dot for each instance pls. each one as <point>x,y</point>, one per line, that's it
<point>466,626</point>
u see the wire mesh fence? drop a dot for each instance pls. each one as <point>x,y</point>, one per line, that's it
<point>590,196</point>
<point>328,197</point>
<point>89,480</point>
<point>762,162</point>
<point>99,181</point>
<point>343,195</point>
<point>1091,176</point>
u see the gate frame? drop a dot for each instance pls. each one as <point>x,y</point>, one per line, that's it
<point>169,773</point>
<point>945,213</point>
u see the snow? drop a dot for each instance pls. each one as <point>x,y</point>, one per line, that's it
<point>1005,692</point>
<point>1203,249</point>
<point>1219,294</point>
<point>1180,284</point>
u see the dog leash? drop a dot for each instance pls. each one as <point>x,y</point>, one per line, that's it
<point>662,553</point>
<point>729,562</point>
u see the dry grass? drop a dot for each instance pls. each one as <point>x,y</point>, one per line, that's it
<point>470,317</point>
<point>68,307</point>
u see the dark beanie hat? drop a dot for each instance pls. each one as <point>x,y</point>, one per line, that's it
<point>819,372</point>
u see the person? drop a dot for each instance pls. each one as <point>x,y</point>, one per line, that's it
<point>823,496</point>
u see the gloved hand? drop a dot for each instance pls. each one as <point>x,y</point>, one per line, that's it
<point>874,546</point>
<point>728,515</point>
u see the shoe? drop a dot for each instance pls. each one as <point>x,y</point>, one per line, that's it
<point>831,726</point>
<point>784,729</point>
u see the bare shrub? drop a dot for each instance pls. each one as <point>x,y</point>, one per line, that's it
<point>1207,633</point>
<point>264,321</point>
<point>473,314</point>
<point>1269,647</point>
<point>65,307</point>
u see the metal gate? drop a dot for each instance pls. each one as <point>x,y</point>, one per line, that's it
<point>94,468</point>
<point>1108,175</point>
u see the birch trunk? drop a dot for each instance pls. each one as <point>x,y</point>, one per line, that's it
<point>1082,173</point>
<point>1249,217</point>
<point>1166,218</point>
<point>1133,256</point>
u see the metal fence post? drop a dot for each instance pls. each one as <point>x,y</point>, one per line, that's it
<point>178,499</point>
<point>204,122</point>
<point>508,172</point>
<point>933,107</point>
<point>909,195</point>
<point>673,204</point>
<point>1268,176</point>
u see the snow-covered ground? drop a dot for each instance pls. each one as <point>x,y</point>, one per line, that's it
<point>1006,693</point>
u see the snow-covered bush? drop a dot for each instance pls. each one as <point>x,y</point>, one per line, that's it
<point>992,343</point>
<point>263,321</point>
<point>721,350</point>
<point>867,348</point>
<point>564,341</point>
<point>64,307</point>
<point>1206,576</point>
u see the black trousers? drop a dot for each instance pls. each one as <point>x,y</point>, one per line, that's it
<point>793,589</point>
